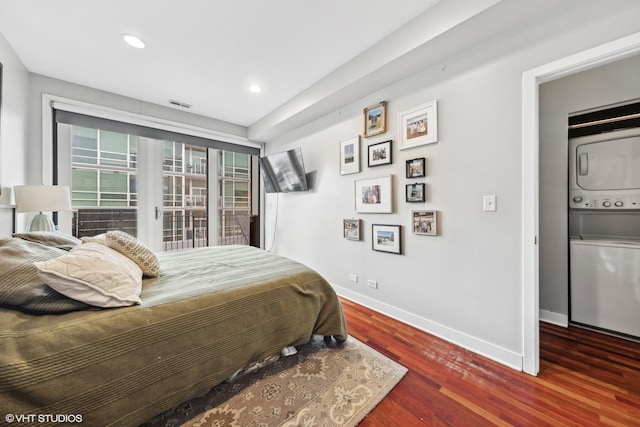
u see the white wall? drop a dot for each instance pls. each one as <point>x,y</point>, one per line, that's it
<point>13,122</point>
<point>602,86</point>
<point>465,284</point>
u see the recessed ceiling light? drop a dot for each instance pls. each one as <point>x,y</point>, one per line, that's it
<point>134,41</point>
<point>255,89</point>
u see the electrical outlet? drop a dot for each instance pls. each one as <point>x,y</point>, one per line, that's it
<point>372,284</point>
<point>353,277</point>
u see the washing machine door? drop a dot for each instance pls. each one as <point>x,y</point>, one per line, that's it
<point>605,285</point>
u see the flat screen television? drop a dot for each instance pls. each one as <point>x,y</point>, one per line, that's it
<point>283,172</point>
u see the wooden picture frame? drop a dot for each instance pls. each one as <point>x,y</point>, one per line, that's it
<point>375,119</point>
<point>415,168</point>
<point>379,154</point>
<point>374,195</point>
<point>350,156</point>
<point>386,238</point>
<point>424,223</point>
<point>351,229</point>
<point>418,126</point>
<point>414,193</point>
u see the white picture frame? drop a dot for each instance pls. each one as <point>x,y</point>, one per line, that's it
<point>418,126</point>
<point>350,156</point>
<point>351,229</point>
<point>424,222</point>
<point>374,195</point>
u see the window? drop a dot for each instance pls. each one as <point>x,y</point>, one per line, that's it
<point>115,169</point>
<point>103,168</point>
<point>235,192</point>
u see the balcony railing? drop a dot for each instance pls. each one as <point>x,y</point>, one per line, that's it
<point>184,229</point>
<point>90,222</point>
<point>181,229</point>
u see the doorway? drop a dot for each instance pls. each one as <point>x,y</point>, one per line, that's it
<point>604,54</point>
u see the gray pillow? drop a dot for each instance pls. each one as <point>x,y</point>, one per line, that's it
<point>20,285</point>
<point>57,240</point>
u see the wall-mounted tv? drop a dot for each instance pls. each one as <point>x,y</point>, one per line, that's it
<point>283,172</point>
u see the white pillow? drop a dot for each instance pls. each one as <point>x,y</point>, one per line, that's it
<point>98,238</point>
<point>135,250</point>
<point>94,274</point>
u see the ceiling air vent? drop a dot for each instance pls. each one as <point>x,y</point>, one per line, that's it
<point>179,104</point>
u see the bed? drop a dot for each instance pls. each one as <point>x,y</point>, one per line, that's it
<point>208,313</point>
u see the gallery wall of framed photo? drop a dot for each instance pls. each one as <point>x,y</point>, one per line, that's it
<point>374,193</point>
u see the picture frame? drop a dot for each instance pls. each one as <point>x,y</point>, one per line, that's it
<point>374,195</point>
<point>416,168</point>
<point>375,119</point>
<point>351,229</point>
<point>424,222</point>
<point>379,154</point>
<point>386,238</point>
<point>350,155</point>
<point>415,193</point>
<point>418,126</point>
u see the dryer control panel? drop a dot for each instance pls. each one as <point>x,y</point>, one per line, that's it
<point>589,200</point>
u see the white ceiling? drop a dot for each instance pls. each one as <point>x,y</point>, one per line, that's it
<point>201,52</point>
<point>207,52</point>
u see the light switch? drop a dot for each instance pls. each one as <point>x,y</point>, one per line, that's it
<point>489,203</point>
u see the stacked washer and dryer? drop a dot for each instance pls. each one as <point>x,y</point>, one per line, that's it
<point>604,228</point>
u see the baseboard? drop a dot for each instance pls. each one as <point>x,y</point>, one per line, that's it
<point>554,318</point>
<point>484,348</point>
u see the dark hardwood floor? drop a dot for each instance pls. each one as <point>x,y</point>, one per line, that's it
<point>586,379</point>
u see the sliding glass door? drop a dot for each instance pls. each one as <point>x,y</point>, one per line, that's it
<point>184,196</point>
<point>171,195</point>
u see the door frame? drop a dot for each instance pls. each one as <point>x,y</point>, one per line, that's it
<point>531,80</point>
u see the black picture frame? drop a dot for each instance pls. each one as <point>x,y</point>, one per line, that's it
<point>379,154</point>
<point>415,193</point>
<point>415,168</point>
<point>386,238</point>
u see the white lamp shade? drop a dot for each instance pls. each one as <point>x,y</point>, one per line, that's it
<point>42,198</point>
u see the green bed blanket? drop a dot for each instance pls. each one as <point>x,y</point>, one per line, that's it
<point>211,312</point>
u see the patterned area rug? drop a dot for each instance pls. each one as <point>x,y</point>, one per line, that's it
<point>322,385</point>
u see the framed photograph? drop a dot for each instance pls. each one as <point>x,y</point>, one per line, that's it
<point>374,195</point>
<point>386,238</point>
<point>418,126</point>
<point>415,193</point>
<point>380,154</point>
<point>416,168</point>
<point>424,222</point>
<point>375,119</point>
<point>351,229</point>
<point>350,155</point>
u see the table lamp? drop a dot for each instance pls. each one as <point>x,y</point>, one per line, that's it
<point>42,198</point>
